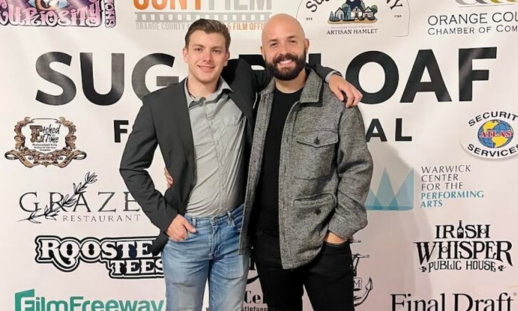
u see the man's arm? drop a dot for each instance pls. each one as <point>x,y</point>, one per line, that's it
<point>355,173</point>
<point>136,159</point>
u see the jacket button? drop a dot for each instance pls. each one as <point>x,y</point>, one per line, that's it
<point>317,141</point>
<point>318,212</point>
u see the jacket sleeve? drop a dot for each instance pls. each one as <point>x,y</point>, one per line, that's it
<point>355,172</point>
<point>136,159</point>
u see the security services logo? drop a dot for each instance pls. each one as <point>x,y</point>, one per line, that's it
<point>80,205</point>
<point>45,141</point>
<point>63,13</point>
<point>180,14</point>
<point>124,258</point>
<point>28,301</point>
<point>355,17</point>
<point>386,199</point>
<point>490,135</point>
<point>464,246</point>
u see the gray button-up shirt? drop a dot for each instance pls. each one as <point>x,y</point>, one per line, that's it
<point>218,127</point>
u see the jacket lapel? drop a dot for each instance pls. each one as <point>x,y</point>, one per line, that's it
<point>178,103</point>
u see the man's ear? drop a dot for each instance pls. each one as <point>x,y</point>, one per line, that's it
<point>184,52</point>
<point>306,44</point>
<point>228,57</point>
<point>262,53</point>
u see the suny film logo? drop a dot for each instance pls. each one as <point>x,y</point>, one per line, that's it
<point>246,15</point>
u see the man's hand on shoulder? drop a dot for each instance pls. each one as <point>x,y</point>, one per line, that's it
<point>338,86</point>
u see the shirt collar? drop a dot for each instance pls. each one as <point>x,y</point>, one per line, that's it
<point>222,86</point>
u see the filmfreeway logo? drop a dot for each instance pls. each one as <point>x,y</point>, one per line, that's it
<point>28,301</point>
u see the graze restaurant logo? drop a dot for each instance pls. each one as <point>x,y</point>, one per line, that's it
<point>28,301</point>
<point>46,142</point>
<point>124,258</point>
<point>246,15</point>
<point>63,13</point>
<point>355,17</point>
<point>490,135</point>
<point>464,246</point>
<point>81,204</point>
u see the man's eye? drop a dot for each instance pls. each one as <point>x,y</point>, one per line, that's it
<point>217,51</point>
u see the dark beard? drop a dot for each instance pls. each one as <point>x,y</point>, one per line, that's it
<point>287,74</point>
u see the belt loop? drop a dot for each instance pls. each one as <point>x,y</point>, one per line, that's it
<point>230,218</point>
<point>193,222</point>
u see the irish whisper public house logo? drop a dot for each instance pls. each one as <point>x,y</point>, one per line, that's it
<point>124,258</point>
<point>246,15</point>
<point>44,141</point>
<point>354,17</point>
<point>63,13</point>
<point>464,247</point>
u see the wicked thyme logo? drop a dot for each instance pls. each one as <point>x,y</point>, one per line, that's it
<point>51,142</point>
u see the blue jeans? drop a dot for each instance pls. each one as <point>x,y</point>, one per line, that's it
<point>209,254</point>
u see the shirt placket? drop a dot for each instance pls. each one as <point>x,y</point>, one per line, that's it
<point>209,107</point>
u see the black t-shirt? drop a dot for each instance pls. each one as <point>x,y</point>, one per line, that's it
<point>265,214</point>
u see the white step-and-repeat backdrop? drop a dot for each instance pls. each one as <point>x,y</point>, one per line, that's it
<point>440,80</point>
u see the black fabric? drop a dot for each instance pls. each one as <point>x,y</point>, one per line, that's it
<point>328,279</point>
<point>265,214</point>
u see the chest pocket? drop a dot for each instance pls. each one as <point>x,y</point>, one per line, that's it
<point>313,154</point>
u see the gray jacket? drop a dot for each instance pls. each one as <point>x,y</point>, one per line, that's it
<point>324,173</point>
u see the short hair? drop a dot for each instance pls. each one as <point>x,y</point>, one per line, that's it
<point>208,26</point>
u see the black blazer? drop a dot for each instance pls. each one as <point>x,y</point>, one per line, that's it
<point>163,120</point>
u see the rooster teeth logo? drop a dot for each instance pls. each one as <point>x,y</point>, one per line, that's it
<point>51,142</point>
<point>125,258</point>
<point>355,17</point>
<point>464,247</point>
<point>490,135</point>
<point>51,13</point>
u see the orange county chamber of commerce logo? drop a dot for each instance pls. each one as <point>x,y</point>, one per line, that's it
<point>45,141</point>
<point>490,135</point>
<point>52,13</point>
<point>355,17</point>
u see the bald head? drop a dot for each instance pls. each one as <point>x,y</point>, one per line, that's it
<point>282,24</point>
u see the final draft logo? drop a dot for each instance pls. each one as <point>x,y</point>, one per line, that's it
<point>51,13</point>
<point>490,135</point>
<point>124,258</point>
<point>464,247</point>
<point>355,17</point>
<point>247,15</point>
<point>79,205</point>
<point>51,142</point>
<point>454,302</point>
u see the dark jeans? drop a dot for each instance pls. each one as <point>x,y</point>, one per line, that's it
<point>328,278</point>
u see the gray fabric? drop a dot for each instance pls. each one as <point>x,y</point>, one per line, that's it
<point>324,174</point>
<point>218,127</point>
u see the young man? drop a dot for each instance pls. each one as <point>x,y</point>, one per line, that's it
<point>309,176</point>
<point>203,126</point>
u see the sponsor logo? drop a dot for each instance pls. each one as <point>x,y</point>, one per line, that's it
<point>77,205</point>
<point>28,301</point>
<point>490,135</point>
<point>386,199</point>
<point>63,13</point>
<point>124,258</point>
<point>446,183</point>
<point>361,289</point>
<point>180,14</point>
<point>485,2</point>
<point>46,142</point>
<point>355,17</point>
<point>464,247</point>
<point>453,302</point>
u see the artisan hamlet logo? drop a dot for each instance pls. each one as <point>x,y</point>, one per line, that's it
<point>63,13</point>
